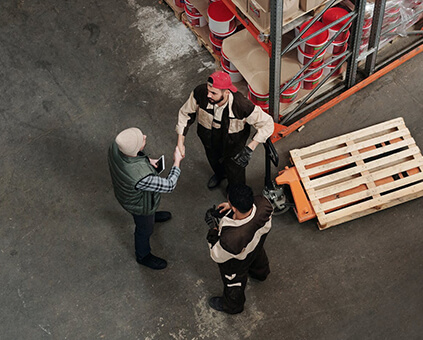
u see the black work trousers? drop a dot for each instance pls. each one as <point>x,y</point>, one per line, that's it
<point>234,275</point>
<point>225,167</point>
<point>144,225</point>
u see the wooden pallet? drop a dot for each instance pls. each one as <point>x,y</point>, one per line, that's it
<point>177,10</point>
<point>361,172</point>
<point>202,34</point>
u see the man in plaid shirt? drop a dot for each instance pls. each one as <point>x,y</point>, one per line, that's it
<point>138,189</point>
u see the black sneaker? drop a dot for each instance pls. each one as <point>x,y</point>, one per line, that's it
<point>162,216</point>
<point>214,181</point>
<point>153,262</point>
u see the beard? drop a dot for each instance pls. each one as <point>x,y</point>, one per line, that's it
<point>211,101</point>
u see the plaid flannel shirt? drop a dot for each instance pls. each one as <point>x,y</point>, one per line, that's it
<point>159,184</point>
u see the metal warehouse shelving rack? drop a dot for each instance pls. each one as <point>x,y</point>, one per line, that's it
<point>354,80</point>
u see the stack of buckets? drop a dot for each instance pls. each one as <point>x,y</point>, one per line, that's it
<point>340,44</point>
<point>222,24</point>
<point>258,99</point>
<point>308,49</point>
<point>193,15</point>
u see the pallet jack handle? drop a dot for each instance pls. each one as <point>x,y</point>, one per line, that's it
<point>271,156</point>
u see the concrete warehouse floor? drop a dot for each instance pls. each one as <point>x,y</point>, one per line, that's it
<point>75,73</point>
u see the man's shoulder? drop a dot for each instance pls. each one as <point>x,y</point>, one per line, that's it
<point>200,89</point>
<point>241,106</point>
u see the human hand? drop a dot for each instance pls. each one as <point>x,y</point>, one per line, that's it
<point>243,157</point>
<point>177,157</point>
<point>223,207</point>
<point>153,162</point>
<point>181,145</point>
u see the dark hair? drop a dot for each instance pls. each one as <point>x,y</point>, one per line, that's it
<point>241,197</point>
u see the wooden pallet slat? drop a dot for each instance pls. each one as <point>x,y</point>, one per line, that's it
<point>351,136</point>
<point>362,172</point>
<point>375,176</point>
<point>385,161</point>
<point>366,208</point>
<point>312,170</point>
<point>341,148</point>
<point>377,190</point>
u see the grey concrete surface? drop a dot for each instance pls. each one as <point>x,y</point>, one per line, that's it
<point>75,73</point>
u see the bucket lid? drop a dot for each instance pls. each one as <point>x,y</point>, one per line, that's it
<point>347,36</point>
<point>227,70</point>
<point>344,48</point>
<point>333,14</point>
<point>218,11</point>
<point>192,15</point>
<point>318,39</point>
<point>311,55</point>
<point>314,76</point>
<point>224,35</point>
<point>257,94</point>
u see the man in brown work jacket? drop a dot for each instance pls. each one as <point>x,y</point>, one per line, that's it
<point>236,241</point>
<point>224,118</point>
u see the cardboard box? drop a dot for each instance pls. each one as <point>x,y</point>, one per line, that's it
<point>259,11</point>
<point>308,5</point>
<point>258,14</point>
<point>242,5</point>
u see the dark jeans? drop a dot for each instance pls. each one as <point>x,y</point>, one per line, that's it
<point>234,275</point>
<point>225,167</point>
<point>144,225</point>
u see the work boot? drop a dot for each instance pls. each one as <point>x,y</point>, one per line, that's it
<point>257,277</point>
<point>214,181</point>
<point>153,262</point>
<point>162,216</point>
<point>216,303</point>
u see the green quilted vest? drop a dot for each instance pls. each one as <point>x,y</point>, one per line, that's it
<point>126,172</point>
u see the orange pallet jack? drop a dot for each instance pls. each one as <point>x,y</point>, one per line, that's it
<point>350,176</point>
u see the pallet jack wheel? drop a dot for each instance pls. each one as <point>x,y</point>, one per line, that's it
<point>278,199</point>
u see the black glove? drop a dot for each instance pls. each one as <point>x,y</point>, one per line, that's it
<point>212,236</point>
<point>211,220</point>
<point>243,157</point>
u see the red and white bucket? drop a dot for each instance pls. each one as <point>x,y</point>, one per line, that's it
<point>314,45</point>
<point>339,47</point>
<point>227,63</point>
<point>289,95</point>
<point>344,48</point>
<point>311,81</point>
<point>221,19</point>
<point>333,14</point>
<point>179,3</point>
<point>221,36</point>
<point>189,8</point>
<point>366,29</point>
<point>257,98</point>
<point>196,20</point>
<point>327,69</point>
<point>235,75</point>
<point>216,44</point>
<point>304,58</point>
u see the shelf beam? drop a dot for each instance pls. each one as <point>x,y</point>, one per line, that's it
<point>249,26</point>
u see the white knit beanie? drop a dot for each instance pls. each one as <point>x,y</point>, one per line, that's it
<point>129,141</point>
